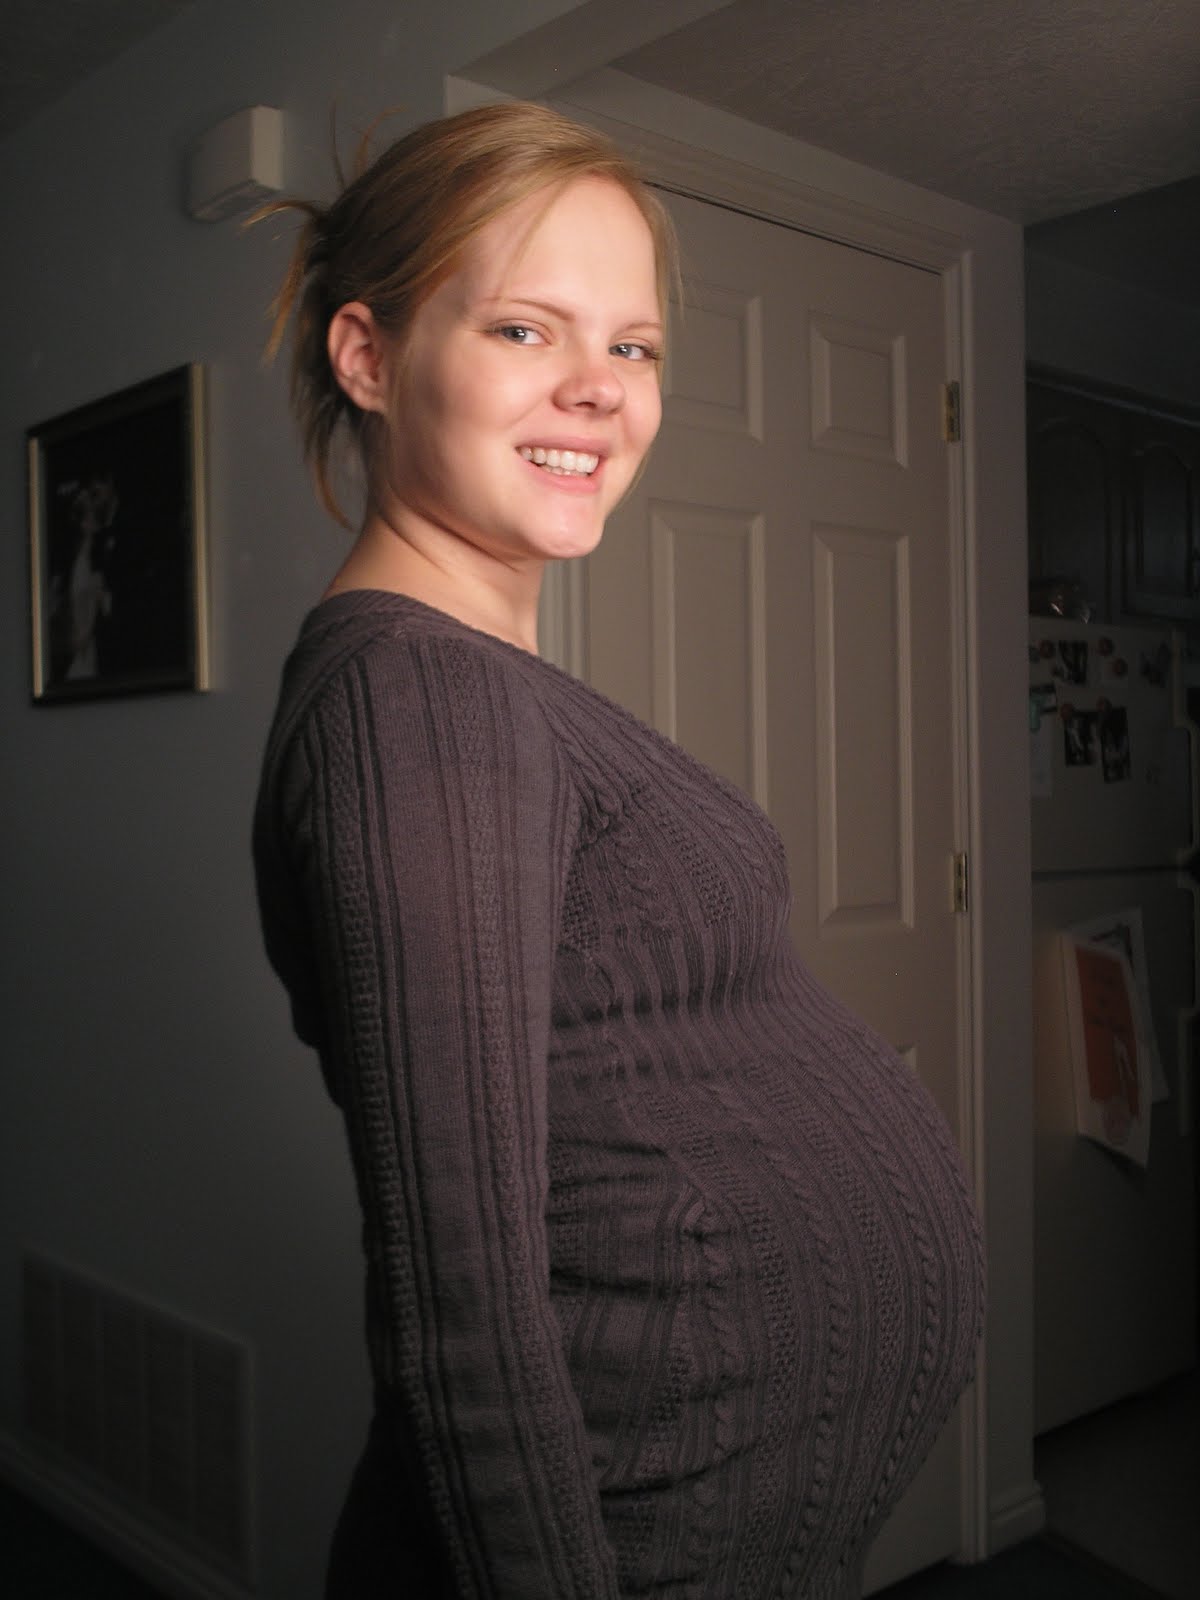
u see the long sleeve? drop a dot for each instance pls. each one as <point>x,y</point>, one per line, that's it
<point>423,818</point>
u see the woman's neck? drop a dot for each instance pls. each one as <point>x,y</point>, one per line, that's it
<point>449,574</point>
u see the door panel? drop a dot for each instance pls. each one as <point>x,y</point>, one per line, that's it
<point>775,595</point>
<point>863,664</point>
<point>707,584</point>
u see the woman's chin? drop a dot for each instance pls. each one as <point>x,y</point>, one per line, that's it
<point>567,544</point>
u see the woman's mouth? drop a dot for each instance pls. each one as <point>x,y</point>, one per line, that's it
<point>563,463</point>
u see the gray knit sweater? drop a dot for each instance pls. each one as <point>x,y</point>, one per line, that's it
<point>672,1272</point>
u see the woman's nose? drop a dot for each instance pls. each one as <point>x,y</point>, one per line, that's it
<point>592,382</point>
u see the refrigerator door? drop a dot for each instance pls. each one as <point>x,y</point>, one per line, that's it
<point>1112,816</point>
<point>1110,759</point>
<point>1114,1244</point>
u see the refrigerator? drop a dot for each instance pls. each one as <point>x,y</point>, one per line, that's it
<point>1113,801</point>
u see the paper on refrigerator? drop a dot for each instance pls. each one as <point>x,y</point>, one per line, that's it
<point>1110,1049</point>
<point>1123,930</point>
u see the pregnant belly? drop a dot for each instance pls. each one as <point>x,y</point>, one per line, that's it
<point>768,1287</point>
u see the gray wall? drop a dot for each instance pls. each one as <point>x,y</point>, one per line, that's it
<point>1085,323</point>
<point>159,1127</point>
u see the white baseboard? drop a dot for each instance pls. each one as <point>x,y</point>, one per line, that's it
<point>113,1529</point>
<point>1015,1515</point>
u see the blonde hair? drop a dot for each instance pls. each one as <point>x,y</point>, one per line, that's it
<point>398,229</point>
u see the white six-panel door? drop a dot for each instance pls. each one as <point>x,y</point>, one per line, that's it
<point>776,595</point>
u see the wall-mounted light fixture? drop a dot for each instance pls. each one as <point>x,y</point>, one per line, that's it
<point>236,165</point>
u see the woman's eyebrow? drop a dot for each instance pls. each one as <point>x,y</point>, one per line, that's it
<point>553,309</point>
<point>550,307</point>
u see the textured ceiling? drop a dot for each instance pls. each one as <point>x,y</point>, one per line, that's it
<point>1029,108</point>
<point>1034,109</point>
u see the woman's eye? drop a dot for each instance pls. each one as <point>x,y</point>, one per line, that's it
<point>635,352</point>
<point>518,333</point>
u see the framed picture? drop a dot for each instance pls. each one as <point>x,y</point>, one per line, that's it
<point>118,575</point>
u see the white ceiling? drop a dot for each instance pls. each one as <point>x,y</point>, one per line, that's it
<point>1035,109</point>
<point>1029,108</point>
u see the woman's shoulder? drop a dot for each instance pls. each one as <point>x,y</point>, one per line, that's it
<point>383,622</point>
<point>378,658</point>
<point>386,641</point>
<point>390,661</point>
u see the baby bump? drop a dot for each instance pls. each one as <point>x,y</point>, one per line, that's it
<point>761,1306</point>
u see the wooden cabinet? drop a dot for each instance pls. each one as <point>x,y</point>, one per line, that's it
<point>1162,524</point>
<point>1114,500</point>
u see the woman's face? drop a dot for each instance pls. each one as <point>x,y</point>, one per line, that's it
<point>528,392</point>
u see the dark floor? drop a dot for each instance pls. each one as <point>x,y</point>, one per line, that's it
<point>1124,1484</point>
<point>42,1560</point>
<point>1041,1569</point>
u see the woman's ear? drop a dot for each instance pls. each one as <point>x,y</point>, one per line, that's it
<point>358,355</point>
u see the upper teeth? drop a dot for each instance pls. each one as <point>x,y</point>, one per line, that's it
<point>560,460</point>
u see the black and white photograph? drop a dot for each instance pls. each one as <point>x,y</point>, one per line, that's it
<point>117,570</point>
<point>1072,663</point>
<point>1079,735</point>
<point>1114,745</point>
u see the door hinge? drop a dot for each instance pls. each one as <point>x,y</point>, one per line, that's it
<point>961,881</point>
<point>952,412</point>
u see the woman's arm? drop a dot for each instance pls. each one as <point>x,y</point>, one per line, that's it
<point>432,846</point>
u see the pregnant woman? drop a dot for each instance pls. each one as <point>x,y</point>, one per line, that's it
<point>672,1276</point>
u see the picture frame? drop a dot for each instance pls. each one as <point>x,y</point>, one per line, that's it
<point>117,543</point>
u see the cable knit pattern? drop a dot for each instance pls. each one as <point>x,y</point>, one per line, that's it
<point>672,1272</point>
